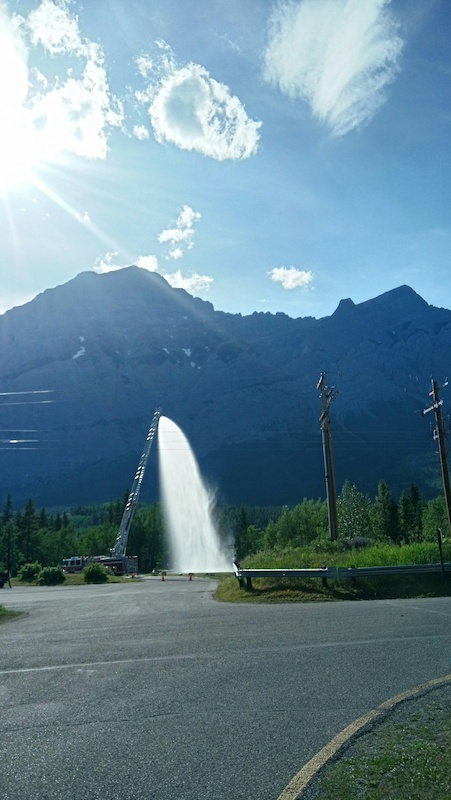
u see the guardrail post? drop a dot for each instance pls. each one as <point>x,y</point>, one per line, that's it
<point>249,584</point>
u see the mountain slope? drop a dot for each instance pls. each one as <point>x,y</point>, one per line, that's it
<point>106,350</point>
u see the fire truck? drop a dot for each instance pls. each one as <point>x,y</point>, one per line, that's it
<point>118,561</point>
<point>127,565</point>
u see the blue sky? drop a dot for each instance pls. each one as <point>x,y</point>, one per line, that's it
<point>266,156</point>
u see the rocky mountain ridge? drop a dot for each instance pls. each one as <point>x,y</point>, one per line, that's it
<point>102,352</point>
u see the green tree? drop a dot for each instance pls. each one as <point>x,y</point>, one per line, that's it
<point>7,511</point>
<point>27,528</point>
<point>270,536</point>
<point>435,516</point>
<point>410,515</point>
<point>8,547</point>
<point>353,510</point>
<point>241,526</point>
<point>384,515</point>
<point>146,539</point>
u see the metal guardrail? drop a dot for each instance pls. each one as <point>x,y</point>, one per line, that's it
<point>337,573</point>
<point>409,569</point>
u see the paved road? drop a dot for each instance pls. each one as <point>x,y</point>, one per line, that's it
<point>153,690</point>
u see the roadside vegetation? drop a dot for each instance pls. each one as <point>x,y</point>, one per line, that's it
<point>404,758</point>
<point>6,614</point>
<point>379,531</point>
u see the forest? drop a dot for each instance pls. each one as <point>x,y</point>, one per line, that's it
<point>37,535</point>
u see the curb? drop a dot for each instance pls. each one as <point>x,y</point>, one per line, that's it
<point>293,791</point>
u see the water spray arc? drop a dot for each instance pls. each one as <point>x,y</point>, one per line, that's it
<point>187,506</point>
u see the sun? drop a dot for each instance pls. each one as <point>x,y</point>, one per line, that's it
<point>19,152</point>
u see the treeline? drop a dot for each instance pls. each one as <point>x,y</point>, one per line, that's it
<point>30,535</point>
<point>360,520</point>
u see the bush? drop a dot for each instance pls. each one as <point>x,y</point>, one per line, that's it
<point>29,572</point>
<point>51,576</point>
<point>95,573</point>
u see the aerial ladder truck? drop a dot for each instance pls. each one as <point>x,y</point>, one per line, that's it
<point>118,561</point>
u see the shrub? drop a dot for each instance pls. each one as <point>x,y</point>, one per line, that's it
<point>29,572</point>
<point>51,576</point>
<point>95,573</point>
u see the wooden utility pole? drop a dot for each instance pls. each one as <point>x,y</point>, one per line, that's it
<point>439,434</point>
<point>328,394</point>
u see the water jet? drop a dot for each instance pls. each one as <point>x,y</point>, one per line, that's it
<point>187,506</point>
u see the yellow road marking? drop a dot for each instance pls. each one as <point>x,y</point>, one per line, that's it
<point>305,775</point>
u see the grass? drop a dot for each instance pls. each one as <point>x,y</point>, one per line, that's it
<point>286,590</point>
<point>333,554</point>
<point>298,590</point>
<point>72,580</point>
<point>404,758</point>
<point>6,613</point>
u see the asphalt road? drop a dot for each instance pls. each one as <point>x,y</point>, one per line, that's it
<point>154,690</point>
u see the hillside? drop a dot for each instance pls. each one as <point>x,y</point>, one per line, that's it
<point>111,348</point>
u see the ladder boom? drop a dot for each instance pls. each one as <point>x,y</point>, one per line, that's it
<point>120,544</point>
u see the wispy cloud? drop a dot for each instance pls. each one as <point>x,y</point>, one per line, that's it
<point>190,109</point>
<point>337,55</point>
<point>292,278</point>
<point>183,233</point>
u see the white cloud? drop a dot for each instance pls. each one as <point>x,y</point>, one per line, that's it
<point>191,283</point>
<point>76,111</point>
<point>145,65</point>
<point>193,111</point>
<point>84,218</point>
<point>176,252</point>
<point>148,262</point>
<point>291,278</point>
<point>106,263</point>
<point>52,26</point>
<point>76,115</point>
<point>182,234</point>
<point>337,55</point>
<point>16,145</point>
<point>140,132</point>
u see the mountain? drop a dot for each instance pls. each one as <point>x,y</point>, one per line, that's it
<point>101,352</point>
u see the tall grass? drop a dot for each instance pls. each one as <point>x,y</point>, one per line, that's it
<point>335,555</point>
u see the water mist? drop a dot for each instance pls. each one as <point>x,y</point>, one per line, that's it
<point>187,505</point>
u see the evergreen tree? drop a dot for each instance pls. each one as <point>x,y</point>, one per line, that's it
<point>8,547</point>
<point>384,516</point>
<point>27,528</point>
<point>410,512</point>
<point>7,511</point>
